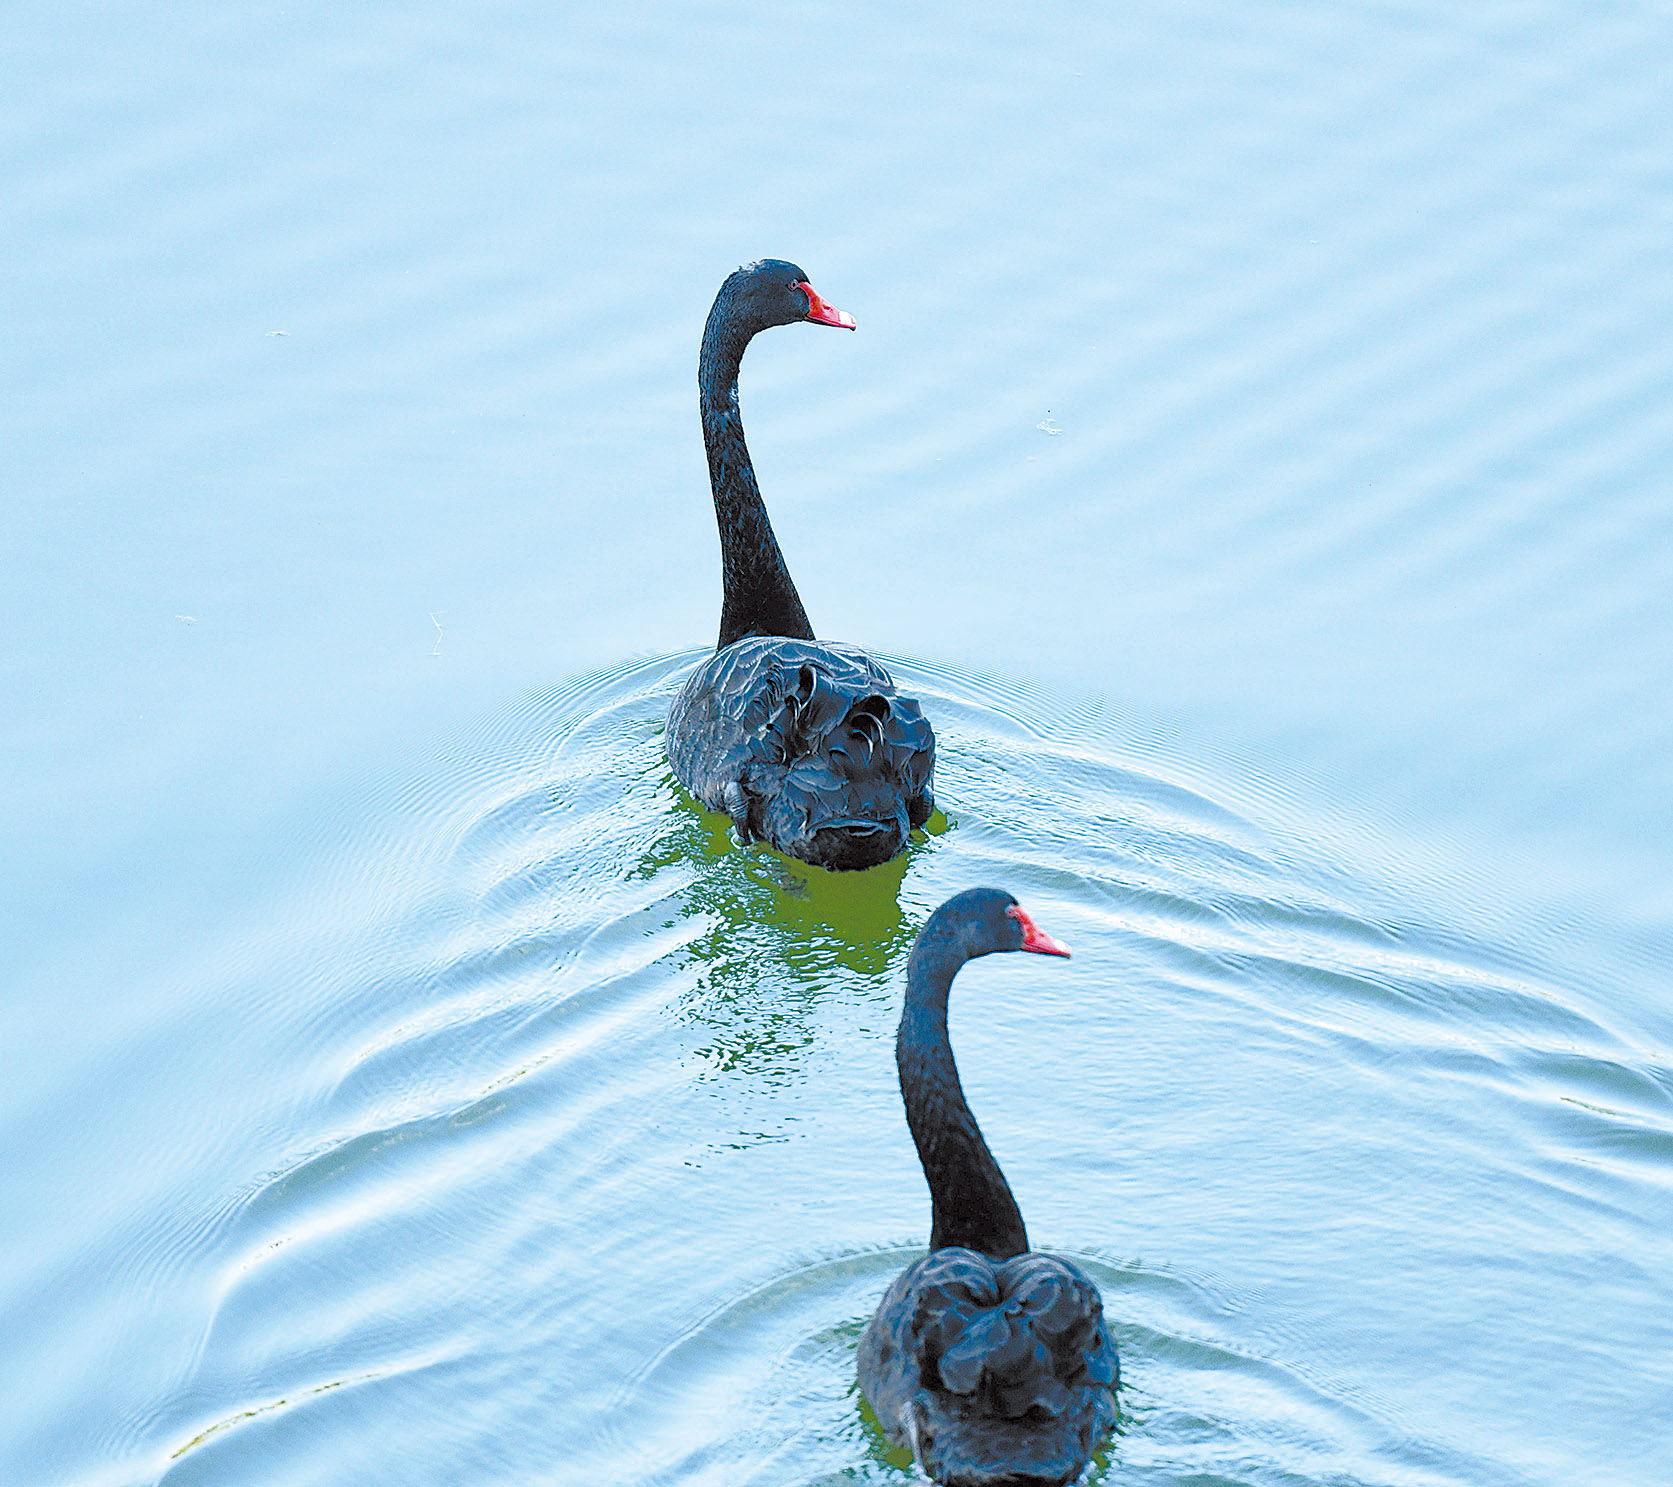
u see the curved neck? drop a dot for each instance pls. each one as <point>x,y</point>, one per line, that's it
<point>971,1202</point>
<point>759,597</point>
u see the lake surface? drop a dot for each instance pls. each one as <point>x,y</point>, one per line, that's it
<point>1254,454</point>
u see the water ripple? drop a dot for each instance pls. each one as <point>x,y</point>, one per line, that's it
<point>612,1069</point>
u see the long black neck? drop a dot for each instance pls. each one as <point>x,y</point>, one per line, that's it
<point>970,1200</point>
<point>759,599</point>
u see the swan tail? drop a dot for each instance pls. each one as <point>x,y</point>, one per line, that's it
<point>827,761</point>
<point>1018,1336</point>
<point>1006,1373</point>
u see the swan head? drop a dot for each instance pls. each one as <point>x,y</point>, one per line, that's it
<point>776,292</point>
<point>984,921</point>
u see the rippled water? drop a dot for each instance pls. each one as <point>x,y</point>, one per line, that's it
<point>587,1163</point>
<point>1252,453</point>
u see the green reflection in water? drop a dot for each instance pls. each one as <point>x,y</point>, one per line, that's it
<point>779,937</point>
<point>879,1448</point>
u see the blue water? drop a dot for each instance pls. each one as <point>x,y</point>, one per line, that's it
<point>1253,453</point>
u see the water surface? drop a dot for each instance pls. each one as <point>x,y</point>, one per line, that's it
<point>1252,452</point>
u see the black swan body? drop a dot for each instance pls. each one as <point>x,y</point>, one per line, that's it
<point>991,1360</point>
<point>806,745</point>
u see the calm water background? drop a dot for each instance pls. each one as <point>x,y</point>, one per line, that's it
<point>1254,451</point>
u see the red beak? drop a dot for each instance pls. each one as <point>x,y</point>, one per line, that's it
<point>1034,938</point>
<point>824,314</point>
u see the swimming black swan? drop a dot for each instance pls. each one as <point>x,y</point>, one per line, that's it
<point>806,746</point>
<point>991,1361</point>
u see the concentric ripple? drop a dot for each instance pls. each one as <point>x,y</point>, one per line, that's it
<point>595,1121</point>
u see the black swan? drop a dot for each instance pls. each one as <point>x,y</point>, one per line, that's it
<point>991,1361</point>
<point>807,746</point>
